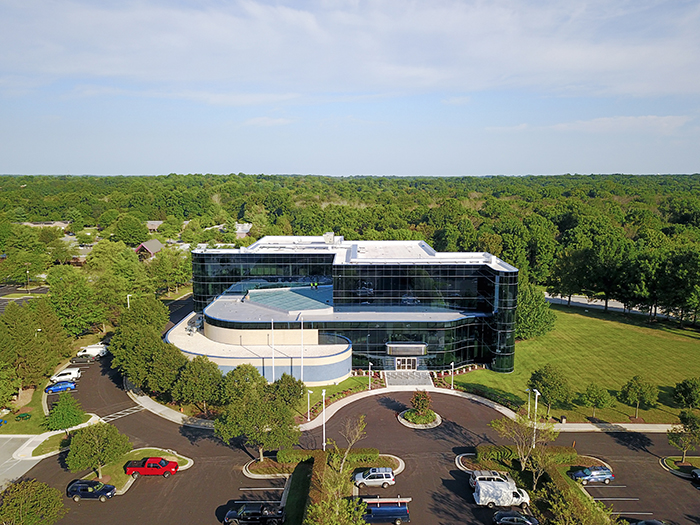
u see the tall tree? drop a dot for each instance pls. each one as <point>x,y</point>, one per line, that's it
<point>552,384</point>
<point>686,436</point>
<point>533,314</point>
<point>596,396</point>
<point>74,299</point>
<point>65,414</point>
<point>130,230</point>
<point>687,393</point>
<point>198,383</point>
<point>31,502</point>
<point>95,446</point>
<point>637,392</point>
<point>522,433</point>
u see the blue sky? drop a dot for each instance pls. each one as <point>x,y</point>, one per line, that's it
<point>332,87</point>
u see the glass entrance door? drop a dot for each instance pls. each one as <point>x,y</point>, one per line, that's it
<point>406,363</point>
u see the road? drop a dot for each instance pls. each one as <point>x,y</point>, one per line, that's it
<point>440,492</point>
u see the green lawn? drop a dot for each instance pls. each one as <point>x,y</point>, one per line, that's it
<point>694,462</point>
<point>115,471</point>
<point>35,425</point>
<point>608,349</point>
<point>51,444</point>
<point>356,383</point>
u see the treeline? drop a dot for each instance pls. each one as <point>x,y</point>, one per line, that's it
<point>606,236</point>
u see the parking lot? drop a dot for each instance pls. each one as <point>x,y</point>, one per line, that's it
<point>439,490</point>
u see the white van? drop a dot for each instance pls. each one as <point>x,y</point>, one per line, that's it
<point>67,374</point>
<point>96,351</point>
<point>497,494</point>
<point>490,475</point>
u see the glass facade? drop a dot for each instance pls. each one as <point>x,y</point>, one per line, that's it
<point>486,299</point>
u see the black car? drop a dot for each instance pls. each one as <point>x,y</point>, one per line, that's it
<point>83,359</point>
<point>513,517</point>
<point>251,512</point>
<point>90,489</point>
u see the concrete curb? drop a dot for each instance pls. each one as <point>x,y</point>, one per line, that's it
<point>418,426</point>
<point>248,474</point>
<point>131,480</point>
<point>401,462</point>
<point>662,462</point>
<point>25,451</point>
<point>459,464</point>
<point>163,411</point>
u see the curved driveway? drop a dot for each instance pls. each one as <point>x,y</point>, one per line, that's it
<point>439,490</point>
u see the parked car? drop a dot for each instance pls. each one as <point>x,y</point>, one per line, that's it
<point>90,489</point>
<point>83,359</point>
<point>695,474</point>
<point>263,513</point>
<point>387,510</point>
<point>96,351</point>
<point>490,475</point>
<point>513,517</point>
<point>151,467</point>
<point>497,494</point>
<point>61,386</point>
<point>593,475</point>
<point>375,477</point>
<point>67,374</point>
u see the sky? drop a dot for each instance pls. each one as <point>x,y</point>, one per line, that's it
<point>349,87</point>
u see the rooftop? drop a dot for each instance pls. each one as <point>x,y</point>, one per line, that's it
<point>364,252</point>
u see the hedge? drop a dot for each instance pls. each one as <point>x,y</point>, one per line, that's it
<point>294,455</point>
<point>560,455</point>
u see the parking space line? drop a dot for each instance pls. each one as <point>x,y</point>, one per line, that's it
<point>635,513</point>
<point>261,488</point>
<point>609,487</point>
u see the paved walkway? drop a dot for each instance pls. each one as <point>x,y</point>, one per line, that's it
<point>407,378</point>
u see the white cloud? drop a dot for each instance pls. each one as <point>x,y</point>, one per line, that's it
<point>456,101</point>
<point>640,48</point>
<point>267,122</point>
<point>643,124</point>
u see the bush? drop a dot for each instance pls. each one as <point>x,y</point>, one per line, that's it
<point>293,455</point>
<point>419,419</point>
<point>421,402</point>
<point>563,455</point>
<point>357,455</point>
<point>501,453</point>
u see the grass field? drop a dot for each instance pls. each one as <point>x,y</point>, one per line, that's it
<point>35,425</point>
<point>608,349</point>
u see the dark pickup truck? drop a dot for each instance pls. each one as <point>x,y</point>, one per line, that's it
<point>151,467</point>
<point>252,512</point>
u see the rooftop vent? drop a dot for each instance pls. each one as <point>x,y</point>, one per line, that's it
<point>328,237</point>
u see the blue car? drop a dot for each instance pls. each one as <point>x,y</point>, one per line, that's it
<point>61,386</point>
<point>593,475</point>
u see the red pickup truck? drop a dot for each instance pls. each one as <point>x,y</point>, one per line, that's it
<point>151,467</point>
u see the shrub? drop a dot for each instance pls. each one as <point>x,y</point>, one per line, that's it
<point>293,455</point>
<point>501,453</point>
<point>421,402</point>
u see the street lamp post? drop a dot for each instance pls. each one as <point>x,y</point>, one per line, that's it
<point>308,405</point>
<point>534,427</point>
<point>302,349</point>
<point>128,303</point>
<point>37,331</point>
<point>323,394</point>
<point>452,364</point>
<point>272,327</point>
<point>528,403</point>
<point>369,386</point>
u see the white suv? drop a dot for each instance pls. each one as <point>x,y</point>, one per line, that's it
<point>375,477</point>
<point>68,374</point>
<point>490,475</point>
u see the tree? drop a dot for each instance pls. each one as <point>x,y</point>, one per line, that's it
<point>687,393</point>
<point>637,391</point>
<point>353,430</point>
<point>65,414</point>
<point>145,311</point>
<point>198,383</point>
<point>597,397</point>
<point>130,230</point>
<point>551,384</point>
<point>342,511</point>
<point>239,384</point>
<point>685,436</point>
<point>533,317</point>
<point>133,348</point>
<point>31,502</point>
<point>163,368</point>
<point>74,300</point>
<point>420,401</point>
<point>95,446</point>
<point>264,421</point>
<point>288,390</point>
<point>9,384</point>
<point>540,460</point>
<point>522,432</point>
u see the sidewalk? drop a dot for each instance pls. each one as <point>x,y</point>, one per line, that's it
<point>138,397</point>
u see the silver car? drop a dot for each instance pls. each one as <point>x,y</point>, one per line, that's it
<point>375,477</point>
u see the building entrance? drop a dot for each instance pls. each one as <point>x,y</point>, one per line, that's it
<point>406,363</point>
